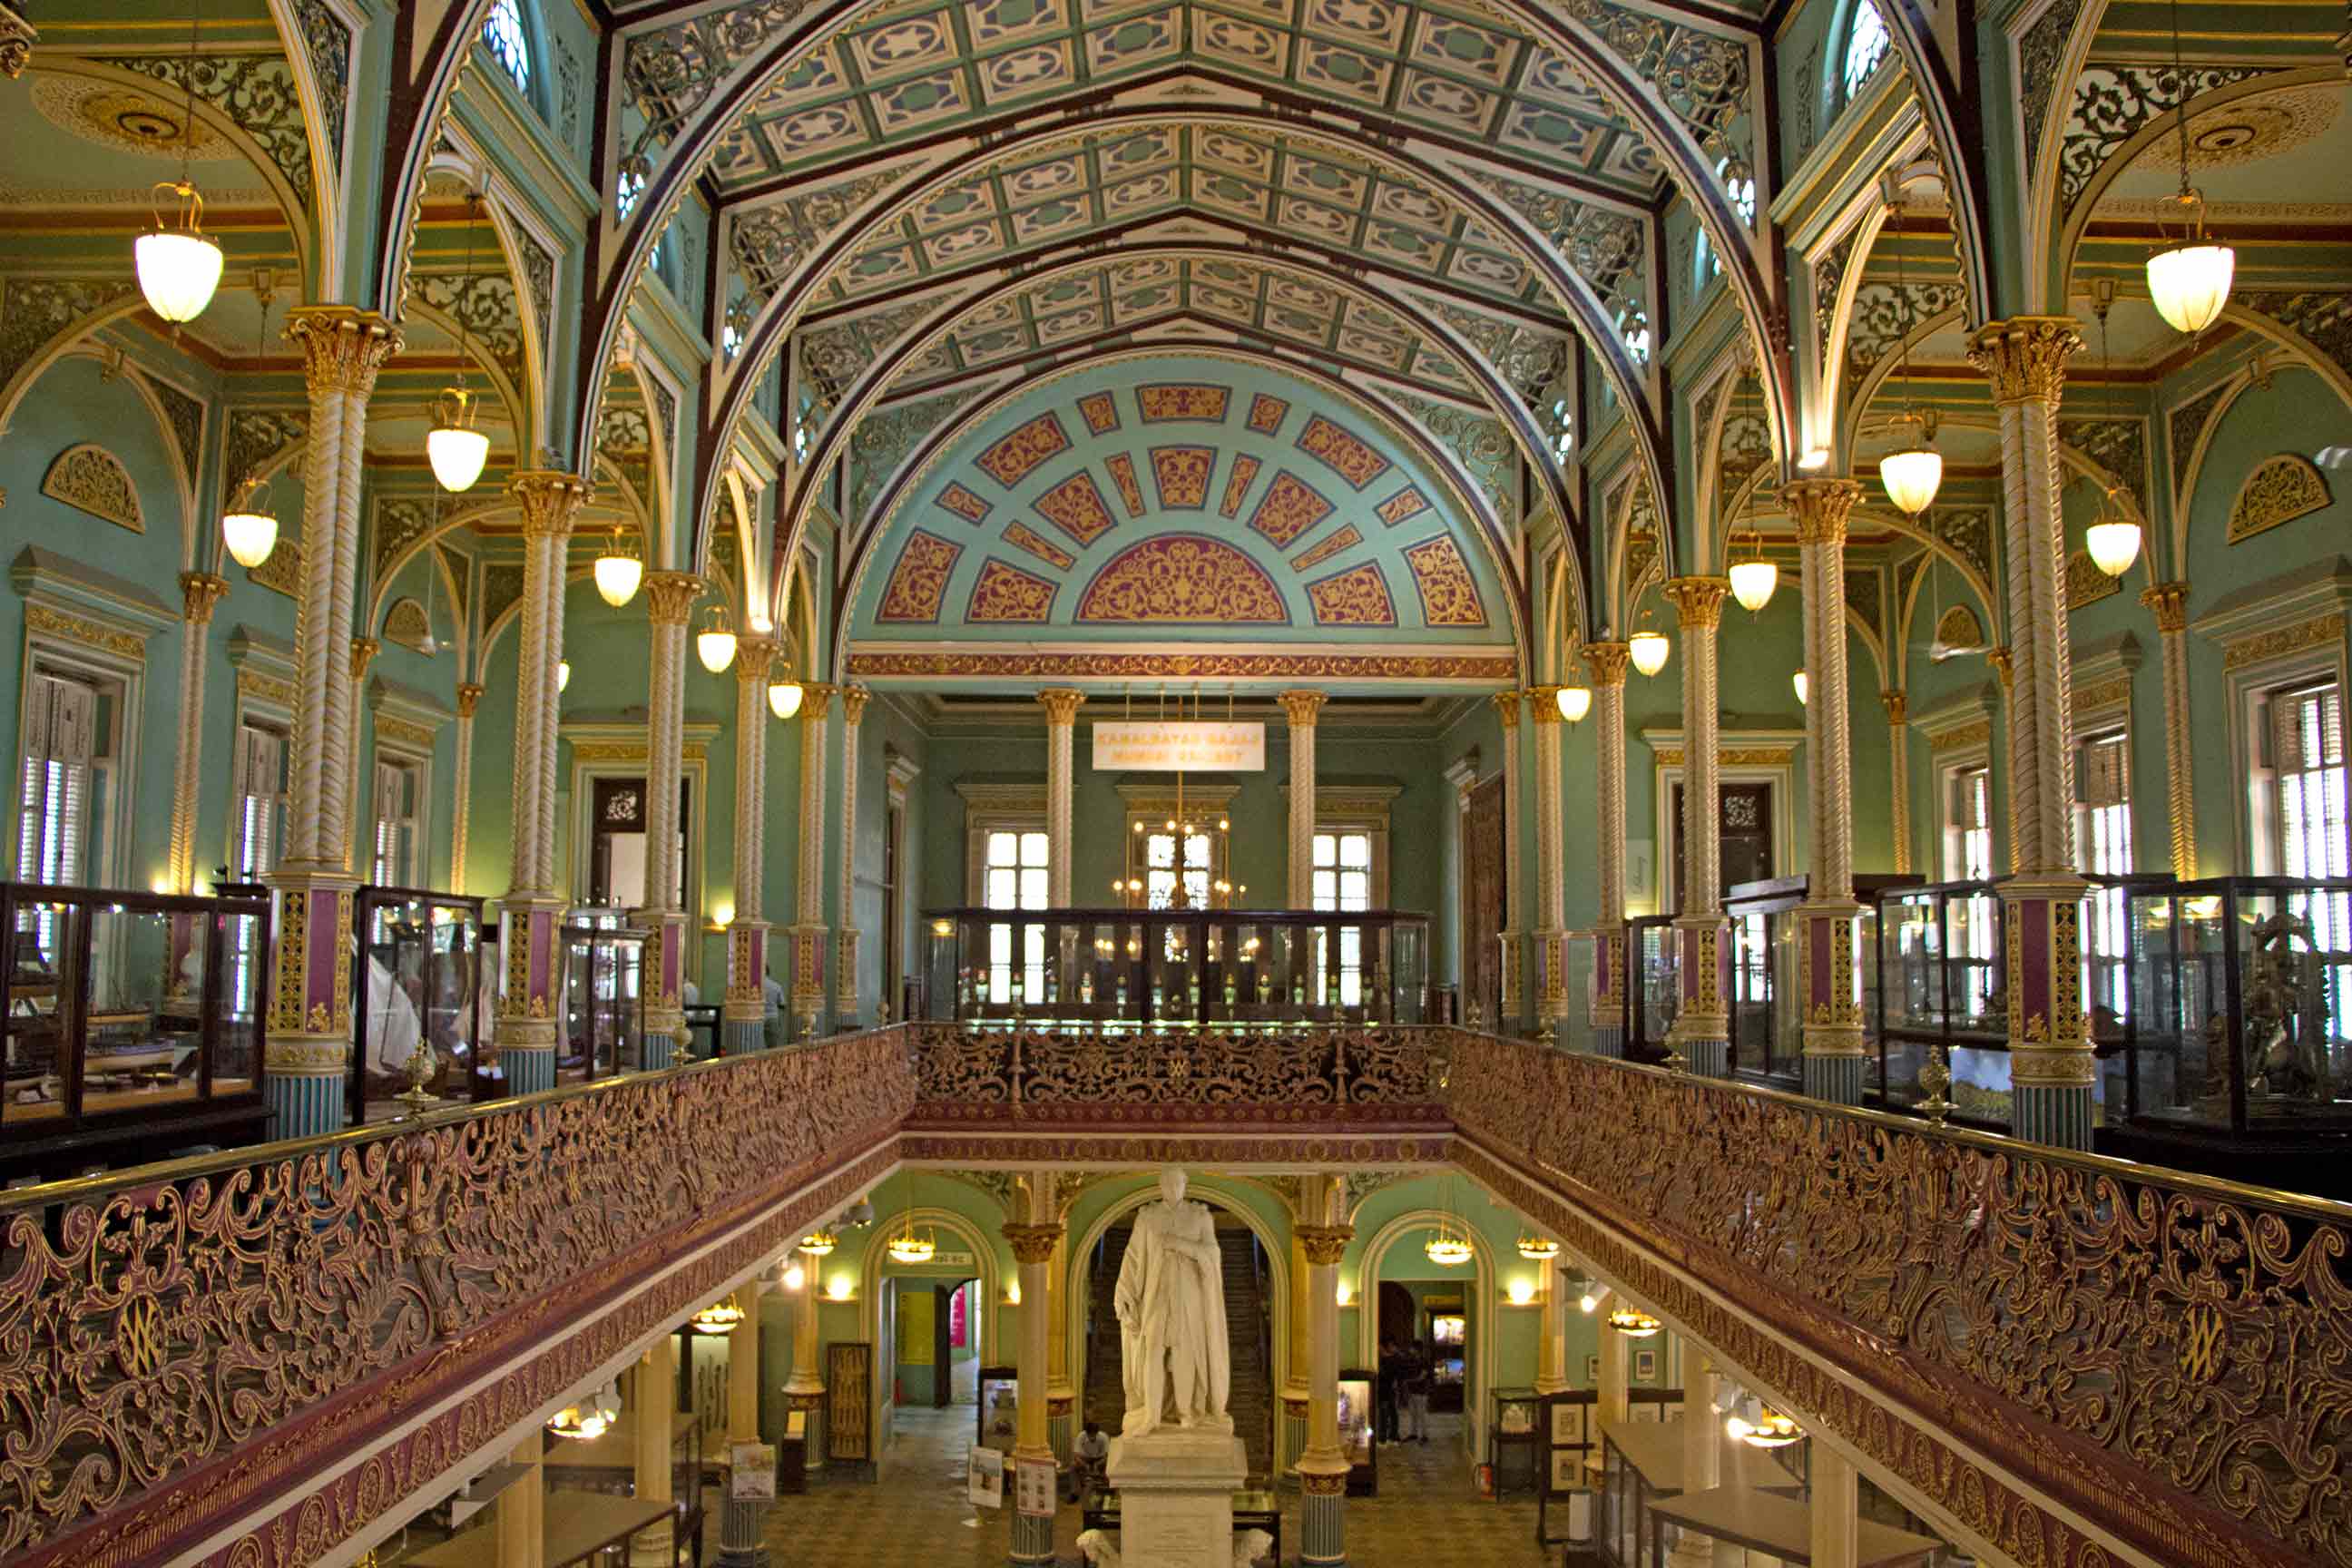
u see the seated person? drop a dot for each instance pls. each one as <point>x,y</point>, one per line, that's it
<point>1090,1454</point>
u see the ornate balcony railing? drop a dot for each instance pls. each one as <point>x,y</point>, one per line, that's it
<point>2168,1355</point>
<point>1070,1073</point>
<point>182,1343</point>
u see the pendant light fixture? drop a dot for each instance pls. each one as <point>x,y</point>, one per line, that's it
<point>456,445</point>
<point>721,1317</point>
<point>1450,1247</point>
<point>820,1242</point>
<point>619,569</point>
<point>1914,471</point>
<point>432,644</point>
<point>906,1247</point>
<point>1575,702</point>
<point>2189,280</point>
<point>178,263</point>
<point>1753,580</point>
<point>784,695</point>
<point>1804,685</point>
<point>562,673</point>
<point>1633,1323</point>
<point>715,643</point>
<point>2114,539</point>
<point>248,526</point>
<point>1538,1249</point>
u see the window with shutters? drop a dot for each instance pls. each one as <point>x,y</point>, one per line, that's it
<point>394,861</point>
<point>260,824</point>
<point>63,785</point>
<point>1343,883</point>
<point>1013,877</point>
<point>2103,848</point>
<point>2306,754</point>
<point>1967,823</point>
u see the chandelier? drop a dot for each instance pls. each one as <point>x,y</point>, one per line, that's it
<point>179,267</point>
<point>1538,1249</point>
<point>1448,1250</point>
<point>588,1419</point>
<point>1914,471</point>
<point>1132,886</point>
<point>456,445</point>
<point>618,571</point>
<point>714,645</point>
<point>2113,539</point>
<point>249,527</point>
<point>2189,280</point>
<point>906,1247</point>
<point>1633,1323</point>
<point>1768,1429</point>
<point>721,1317</point>
<point>820,1242</point>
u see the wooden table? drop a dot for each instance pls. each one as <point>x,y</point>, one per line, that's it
<point>579,1525</point>
<point>1781,1526</point>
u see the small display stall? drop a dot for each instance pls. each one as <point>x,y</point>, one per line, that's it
<point>1655,992</point>
<point>1768,1006</point>
<point>1777,1525</point>
<point>1570,1438</point>
<point>997,1385</point>
<point>1358,1421</point>
<point>1216,968</point>
<point>1642,1469</point>
<point>603,996</point>
<point>1515,1442</point>
<point>416,975</point>
<point>129,1026</point>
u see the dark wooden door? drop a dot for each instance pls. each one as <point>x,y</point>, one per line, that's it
<point>1743,837</point>
<point>849,1401</point>
<point>943,1361</point>
<point>1485,891</point>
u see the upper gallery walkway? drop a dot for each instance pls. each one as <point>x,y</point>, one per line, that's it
<point>273,1355</point>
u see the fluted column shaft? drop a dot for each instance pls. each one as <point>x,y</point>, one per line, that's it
<point>1034,1241</point>
<point>1062,704</point>
<point>653,1396</point>
<point>1552,1349</point>
<point>743,1025</point>
<point>844,997</point>
<point>518,1517</point>
<point>670,604</point>
<point>2050,1065</point>
<point>1825,952</point>
<point>1323,1468</point>
<point>531,1003</point>
<point>199,592</point>
<point>1606,662</point>
<point>1302,708</point>
<point>808,925</point>
<point>804,1386</point>
<point>1506,711</point>
<point>1702,1028</point>
<point>2170,601</point>
<point>1293,1379</point>
<point>356,858</point>
<point>743,1525</point>
<point>461,782</point>
<point>1898,744</point>
<point>1835,1505</point>
<point>1551,882</point>
<point>1703,1440</point>
<point>1060,1394</point>
<point>308,1050</point>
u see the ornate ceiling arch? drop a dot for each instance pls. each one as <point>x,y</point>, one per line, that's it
<point>1177,510</point>
<point>889,361</point>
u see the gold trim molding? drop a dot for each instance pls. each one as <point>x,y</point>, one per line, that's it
<point>90,478</point>
<point>44,621</point>
<point>2314,633</point>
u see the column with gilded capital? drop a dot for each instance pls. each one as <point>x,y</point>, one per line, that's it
<point>669,605</point>
<point>1323,1468</point>
<point>1061,704</point>
<point>2051,1067</point>
<point>1061,1394</point>
<point>1703,1444</point>
<point>199,592</point>
<point>1825,951</point>
<point>1507,710</point>
<point>1606,661</point>
<point>530,1005</point>
<point>1551,884</point>
<point>461,772</point>
<point>1302,708</point>
<point>309,1030</point>
<point>1702,1029</point>
<point>742,1522</point>
<point>2170,602</point>
<point>653,1400</point>
<point>363,652</point>
<point>804,1387</point>
<point>1033,1240</point>
<point>1898,774</point>
<point>808,923</point>
<point>743,1024</point>
<point>844,989</point>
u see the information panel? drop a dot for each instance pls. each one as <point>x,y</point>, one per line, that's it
<point>1187,745</point>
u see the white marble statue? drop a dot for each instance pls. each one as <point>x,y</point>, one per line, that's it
<point>1250,1548</point>
<point>1171,1316</point>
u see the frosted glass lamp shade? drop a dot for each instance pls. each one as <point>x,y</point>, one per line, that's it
<point>562,673</point>
<point>716,648</point>
<point>2114,544</point>
<point>178,270</point>
<point>1575,702</point>
<point>457,453</point>
<point>784,699</point>
<point>1752,583</point>
<point>251,534</point>
<point>617,576</point>
<point>2187,283</point>
<point>1648,651</point>
<point>1804,685</point>
<point>1912,477</point>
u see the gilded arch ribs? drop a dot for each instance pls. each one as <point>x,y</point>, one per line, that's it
<point>1956,122</point>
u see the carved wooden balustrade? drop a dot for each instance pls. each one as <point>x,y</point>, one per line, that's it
<point>2164,1354</point>
<point>184,1344</point>
<point>1064,1073</point>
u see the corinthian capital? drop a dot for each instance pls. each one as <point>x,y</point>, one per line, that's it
<point>854,700</point>
<point>550,498</point>
<point>199,591</point>
<point>1301,707</point>
<point>2169,601</point>
<point>1698,600</point>
<point>1607,661</point>
<point>2025,356</point>
<point>342,349</point>
<point>754,657</point>
<point>1820,508</point>
<point>670,596</point>
<point>1062,704</point>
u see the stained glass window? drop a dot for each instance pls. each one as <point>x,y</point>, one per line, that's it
<point>1865,45</point>
<point>502,33</point>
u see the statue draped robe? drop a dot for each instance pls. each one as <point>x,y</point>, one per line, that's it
<point>1170,1303</point>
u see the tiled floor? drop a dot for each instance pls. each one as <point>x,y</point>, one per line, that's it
<point>1428,1514</point>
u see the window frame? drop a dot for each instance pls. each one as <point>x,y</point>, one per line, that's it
<point>2267,778</point>
<point>264,721</point>
<point>115,768</point>
<point>1851,85</point>
<point>525,83</point>
<point>413,872</point>
<point>1950,835</point>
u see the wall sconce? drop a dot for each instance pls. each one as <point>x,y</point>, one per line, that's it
<point>721,916</point>
<point>1347,1297</point>
<point>1013,1293</point>
<point>795,1277</point>
<point>841,1288</point>
<point>1523,1292</point>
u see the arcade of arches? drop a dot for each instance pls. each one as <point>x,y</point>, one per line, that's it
<point>1663,681</point>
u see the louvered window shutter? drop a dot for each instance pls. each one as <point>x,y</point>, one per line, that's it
<point>60,722</point>
<point>2100,779</point>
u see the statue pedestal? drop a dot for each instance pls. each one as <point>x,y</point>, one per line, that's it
<point>1176,1497</point>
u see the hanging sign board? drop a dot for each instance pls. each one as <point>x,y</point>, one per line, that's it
<point>1189,745</point>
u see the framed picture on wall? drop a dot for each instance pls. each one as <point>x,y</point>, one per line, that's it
<point>1592,1371</point>
<point>1646,1366</point>
<point>1566,1469</point>
<point>1566,1425</point>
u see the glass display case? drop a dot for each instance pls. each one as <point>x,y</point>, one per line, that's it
<point>1656,986</point>
<point>1516,1443</point>
<point>603,996</point>
<point>1359,1420</point>
<point>416,976</point>
<point>1215,968</point>
<point>130,1019</point>
<point>1942,982</point>
<point>1768,1007</point>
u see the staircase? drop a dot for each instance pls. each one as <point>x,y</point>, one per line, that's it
<point>1248,1331</point>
